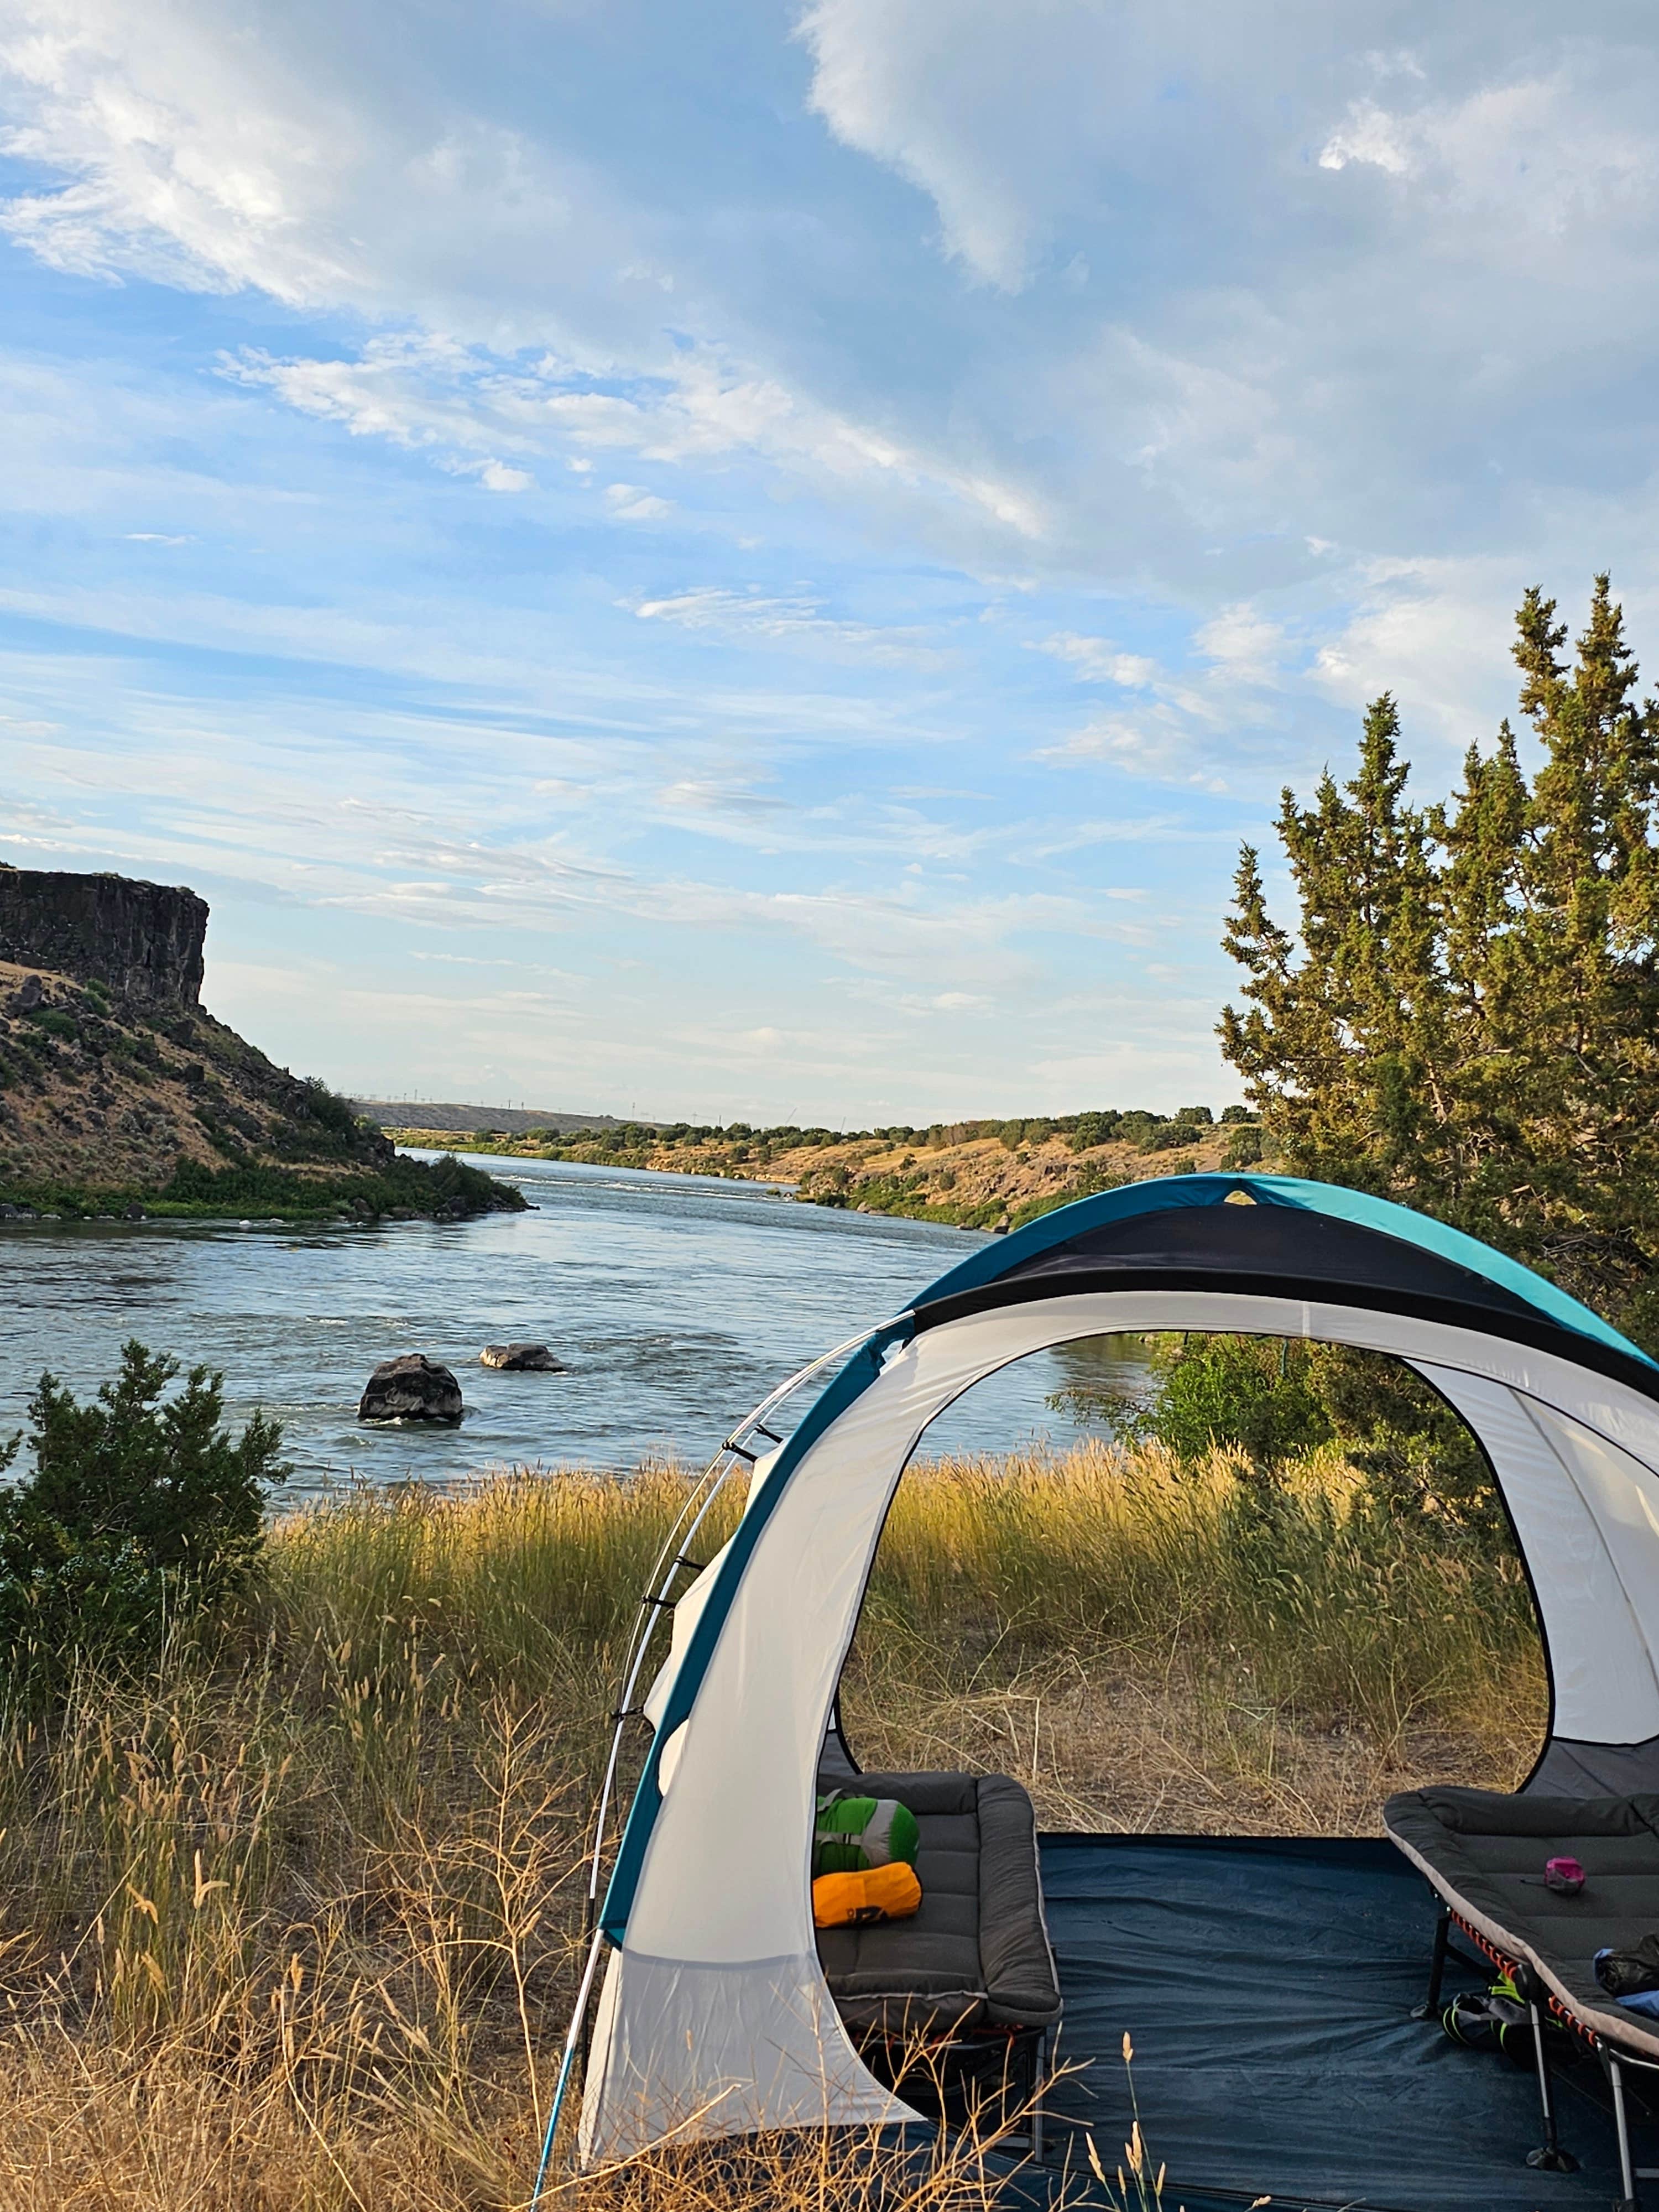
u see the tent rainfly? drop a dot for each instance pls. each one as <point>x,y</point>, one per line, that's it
<point>713,2016</point>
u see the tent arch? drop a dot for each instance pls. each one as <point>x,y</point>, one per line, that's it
<point>714,2016</point>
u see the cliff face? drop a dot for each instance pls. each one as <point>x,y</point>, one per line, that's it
<point>113,1077</point>
<point>141,941</point>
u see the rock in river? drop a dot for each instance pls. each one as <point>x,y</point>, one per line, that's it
<point>411,1388</point>
<point>522,1359</point>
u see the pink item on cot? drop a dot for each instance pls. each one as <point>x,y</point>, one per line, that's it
<point>1565,1874</point>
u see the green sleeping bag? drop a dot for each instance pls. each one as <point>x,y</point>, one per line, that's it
<point>852,1835</point>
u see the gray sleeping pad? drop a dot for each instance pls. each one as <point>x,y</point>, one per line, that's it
<point>976,1954</point>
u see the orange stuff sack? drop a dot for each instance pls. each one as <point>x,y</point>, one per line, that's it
<point>856,1900</point>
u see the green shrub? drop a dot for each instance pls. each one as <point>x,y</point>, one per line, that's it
<point>141,1510</point>
<point>1243,1146</point>
<point>1091,1129</point>
<point>1167,1137</point>
<point>1255,1394</point>
<point>327,1106</point>
<point>1421,1463</point>
<point>1273,1399</point>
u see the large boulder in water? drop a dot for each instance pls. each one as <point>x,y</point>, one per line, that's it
<point>411,1388</point>
<point>521,1359</point>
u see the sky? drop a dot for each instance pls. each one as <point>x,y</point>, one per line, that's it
<point>752,562</point>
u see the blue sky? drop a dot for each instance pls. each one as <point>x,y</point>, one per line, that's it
<point>751,562</point>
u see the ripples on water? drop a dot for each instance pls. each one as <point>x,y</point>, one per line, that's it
<point>676,1302</point>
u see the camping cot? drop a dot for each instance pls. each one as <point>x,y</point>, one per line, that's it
<point>1483,1854</point>
<point>708,2008</point>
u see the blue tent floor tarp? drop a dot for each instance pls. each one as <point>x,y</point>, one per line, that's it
<point>1267,1986</point>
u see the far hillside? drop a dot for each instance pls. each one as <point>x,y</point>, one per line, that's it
<point>976,1175</point>
<point>496,1120</point>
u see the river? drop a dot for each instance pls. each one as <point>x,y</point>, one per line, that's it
<point>676,1302</point>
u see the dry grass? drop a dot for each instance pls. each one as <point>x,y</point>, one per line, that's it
<point>291,1924</point>
<point>1150,1650</point>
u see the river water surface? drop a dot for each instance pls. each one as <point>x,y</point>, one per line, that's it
<point>676,1302</point>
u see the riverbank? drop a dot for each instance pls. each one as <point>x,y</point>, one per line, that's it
<point>293,1922</point>
<point>400,1190</point>
<point>974,1174</point>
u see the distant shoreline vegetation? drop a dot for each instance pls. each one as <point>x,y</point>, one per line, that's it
<point>445,1189</point>
<point>985,1174</point>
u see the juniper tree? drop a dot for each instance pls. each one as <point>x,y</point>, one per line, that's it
<point>142,1509</point>
<point>1466,1014</point>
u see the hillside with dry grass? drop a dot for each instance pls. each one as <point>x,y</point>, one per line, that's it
<point>108,1104</point>
<point>291,1920</point>
<point>976,1175</point>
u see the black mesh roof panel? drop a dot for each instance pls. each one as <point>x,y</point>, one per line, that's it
<point>1280,1241</point>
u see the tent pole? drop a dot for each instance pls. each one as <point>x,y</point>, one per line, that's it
<point>575,2043</point>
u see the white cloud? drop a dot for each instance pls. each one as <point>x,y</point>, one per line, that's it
<point>427,391</point>
<point>1184,730</point>
<point>1435,632</point>
<point>713,796</point>
<point>496,475</point>
<point>1154,746</point>
<point>756,615</point>
<point>631,503</point>
<point>1242,643</point>
<point>1371,136</point>
<point>1544,152</point>
<point>1115,829</point>
<point>985,105</point>
<point>1096,660</point>
<point>278,159</point>
<point>266,159</point>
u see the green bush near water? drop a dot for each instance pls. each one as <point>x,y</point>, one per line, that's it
<point>1273,1399</point>
<point>196,1192</point>
<point>142,1510</point>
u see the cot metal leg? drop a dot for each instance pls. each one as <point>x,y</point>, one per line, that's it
<point>1549,2158</point>
<point>1631,2202</point>
<point>1430,2004</point>
<point>1039,2083</point>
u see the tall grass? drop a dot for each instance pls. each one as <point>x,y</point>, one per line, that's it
<point>291,1921</point>
<point>1283,1657</point>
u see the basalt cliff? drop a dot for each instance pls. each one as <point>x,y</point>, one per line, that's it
<point>120,1093</point>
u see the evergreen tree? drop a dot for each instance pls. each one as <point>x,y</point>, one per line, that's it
<point>1466,1017</point>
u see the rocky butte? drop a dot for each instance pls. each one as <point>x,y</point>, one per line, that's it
<point>142,942</point>
<point>120,1093</point>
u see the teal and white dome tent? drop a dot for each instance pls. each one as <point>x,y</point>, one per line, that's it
<point>711,2012</point>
